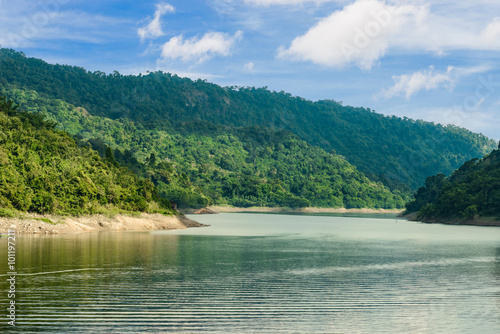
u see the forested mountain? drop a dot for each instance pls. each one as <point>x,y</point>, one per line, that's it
<point>42,170</point>
<point>397,151</point>
<point>473,189</point>
<point>250,166</point>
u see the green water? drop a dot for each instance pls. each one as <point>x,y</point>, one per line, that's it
<point>259,273</point>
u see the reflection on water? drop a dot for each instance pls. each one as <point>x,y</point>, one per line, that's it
<point>262,274</point>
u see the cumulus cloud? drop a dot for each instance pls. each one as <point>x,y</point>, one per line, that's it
<point>153,28</point>
<point>410,84</point>
<point>361,33</point>
<point>200,49</point>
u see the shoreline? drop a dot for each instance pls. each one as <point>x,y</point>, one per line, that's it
<point>258,209</point>
<point>476,221</point>
<point>35,224</point>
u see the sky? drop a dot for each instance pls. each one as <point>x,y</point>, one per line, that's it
<point>436,60</point>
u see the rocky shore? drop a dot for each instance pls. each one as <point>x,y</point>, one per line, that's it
<point>44,225</point>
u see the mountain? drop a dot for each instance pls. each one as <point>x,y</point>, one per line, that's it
<point>249,166</point>
<point>43,170</point>
<point>472,190</point>
<point>400,152</point>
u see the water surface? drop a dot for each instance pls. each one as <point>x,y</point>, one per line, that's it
<point>261,273</point>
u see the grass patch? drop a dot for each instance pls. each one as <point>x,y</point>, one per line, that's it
<point>9,213</point>
<point>45,220</point>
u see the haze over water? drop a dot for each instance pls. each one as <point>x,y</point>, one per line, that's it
<point>260,273</point>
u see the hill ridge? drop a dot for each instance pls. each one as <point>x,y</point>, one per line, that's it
<point>399,152</point>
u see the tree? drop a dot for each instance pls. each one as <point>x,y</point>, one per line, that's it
<point>110,157</point>
<point>151,160</point>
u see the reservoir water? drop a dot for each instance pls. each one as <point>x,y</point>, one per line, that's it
<point>260,273</point>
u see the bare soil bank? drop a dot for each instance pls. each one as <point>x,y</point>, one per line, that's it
<point>35,225</point>
<point>476,221</point>
<point>219,209</point>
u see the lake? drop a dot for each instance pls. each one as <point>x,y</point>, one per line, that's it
<point>260,273</point>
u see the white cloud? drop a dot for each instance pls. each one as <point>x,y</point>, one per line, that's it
<point>153,28</point>
<point>360,33</point>
<point>491,33</point>
<point>429,79</point>
<point>410,84</point>
<point>200,50</point>
<point>364,31</point>
<point>249,67</point>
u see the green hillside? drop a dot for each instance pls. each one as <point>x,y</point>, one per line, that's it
<point>208,164</point>
<point>473,189</point>
<point>400,152</point>
<point>42,170</point>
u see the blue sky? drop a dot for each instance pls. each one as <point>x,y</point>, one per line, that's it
<point>435,60</point>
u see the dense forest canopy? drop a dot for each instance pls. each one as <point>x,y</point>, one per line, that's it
<point>249,166</point>
<point>399,152</point>
<point>43,170</point>
<point>473,189</point>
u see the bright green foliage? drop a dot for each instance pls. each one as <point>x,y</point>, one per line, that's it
<point>472,189</point>
<point>400,152</point>
<point>234,169</point>
<point>237,166</point>
<point>42,170</point>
